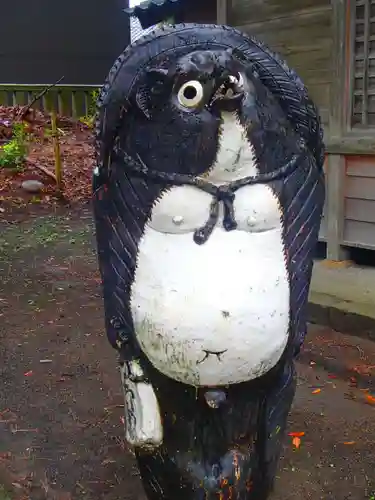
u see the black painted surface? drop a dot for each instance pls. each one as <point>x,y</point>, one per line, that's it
<point>40,41</point>
<point>227,452</point>
<point>233,450</point>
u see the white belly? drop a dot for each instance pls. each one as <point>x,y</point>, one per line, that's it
<point>217,313</point>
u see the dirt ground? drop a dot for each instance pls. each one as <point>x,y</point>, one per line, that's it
<point>61,434</point>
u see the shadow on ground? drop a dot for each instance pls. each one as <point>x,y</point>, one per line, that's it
<point>60,402</point>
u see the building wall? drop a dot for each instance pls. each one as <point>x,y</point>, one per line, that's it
<point>203,11</point>
<point>42,40</point>
<point>359,122</point>
<point>330,43</point>
<point>299,30</point>
<point>362,65</point>
<point>359,203</point>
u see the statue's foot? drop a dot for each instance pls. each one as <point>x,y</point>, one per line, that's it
<point>223,447</point>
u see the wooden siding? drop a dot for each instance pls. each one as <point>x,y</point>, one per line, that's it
<point>300,31</point>
<point>323,227</point>
<point>359,213</point>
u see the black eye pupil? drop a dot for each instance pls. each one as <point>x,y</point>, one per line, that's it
<point>190,92</point>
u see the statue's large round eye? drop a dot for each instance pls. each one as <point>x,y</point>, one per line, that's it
<point>240,82</point>
<point>190,94</point>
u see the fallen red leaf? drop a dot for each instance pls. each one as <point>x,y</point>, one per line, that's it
<point>296,434</point>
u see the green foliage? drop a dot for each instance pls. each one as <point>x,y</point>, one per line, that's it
<point>13,153</point>
<point>94,98</point>
<point>169,20</point>
<point>3,494</point>
<point>89,119</point>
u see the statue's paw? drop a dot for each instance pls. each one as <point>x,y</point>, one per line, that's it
<point>143,427</point>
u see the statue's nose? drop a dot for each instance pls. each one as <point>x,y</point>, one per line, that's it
<point>228,103</point>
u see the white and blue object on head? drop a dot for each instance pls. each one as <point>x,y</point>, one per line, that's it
<point>136,30</point>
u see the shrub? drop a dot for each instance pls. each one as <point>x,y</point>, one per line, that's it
<point>13,153</point>
<point>89,119</point>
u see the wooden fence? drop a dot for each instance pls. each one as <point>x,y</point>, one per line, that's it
<point>74,101</point>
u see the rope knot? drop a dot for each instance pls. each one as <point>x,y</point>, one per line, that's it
<point>225,193</point>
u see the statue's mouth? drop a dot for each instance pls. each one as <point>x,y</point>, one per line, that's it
<point>208,353</point>
<point>228,95</point>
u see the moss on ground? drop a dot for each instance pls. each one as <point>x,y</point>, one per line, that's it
<point>3,494</point>
<point>32,235</point>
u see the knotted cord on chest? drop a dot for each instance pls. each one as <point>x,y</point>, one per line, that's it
<point>224,193</point>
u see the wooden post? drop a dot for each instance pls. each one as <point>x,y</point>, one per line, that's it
<point>335,207</point>
<point>339,102</point>
<point>222,11</point>
<point>56,147</point>
<point>335,172</point>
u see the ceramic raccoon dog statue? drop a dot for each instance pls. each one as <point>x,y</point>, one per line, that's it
<point>208,195</point>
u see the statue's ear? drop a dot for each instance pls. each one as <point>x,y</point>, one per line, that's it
<point>157,74</point>
<point>154,88</point>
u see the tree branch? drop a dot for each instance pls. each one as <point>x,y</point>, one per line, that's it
<point>42,169</point>
<point>23,111</point>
